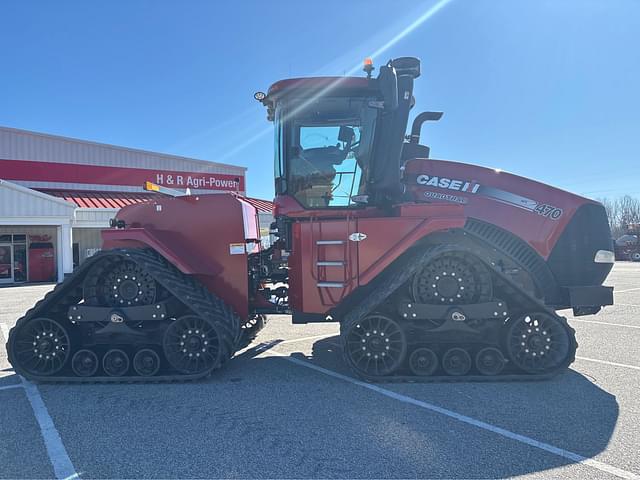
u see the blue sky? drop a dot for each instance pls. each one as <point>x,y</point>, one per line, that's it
<point>548,89</point>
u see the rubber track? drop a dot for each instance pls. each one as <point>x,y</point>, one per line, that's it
<point>184,287</point>
<point>403,273</point>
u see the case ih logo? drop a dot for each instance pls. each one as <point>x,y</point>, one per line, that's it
<point>448,183</point>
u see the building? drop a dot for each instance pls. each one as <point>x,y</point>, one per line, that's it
<point>57,193</point>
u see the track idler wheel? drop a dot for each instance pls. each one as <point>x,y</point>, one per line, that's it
<point>85,363</point>
<point>490,361</point>
<point>115,363</point>
<point>423,362</point>
<point>539,343</point>
<point>456,362</point>
<point>41,347</point>
<point>375,345</point>
<point>146,362</point>
<point>192,345</point>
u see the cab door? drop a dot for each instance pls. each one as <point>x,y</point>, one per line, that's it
<point>324,267</point>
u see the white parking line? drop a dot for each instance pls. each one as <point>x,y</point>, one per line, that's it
<point>574,457</point>
<point>613,364</point>
<point>9,387</point>
<point>628,290</point>
<point>5,331</point>
<point>605,323</point>
<point>58,456</point>
<point>315,337</point>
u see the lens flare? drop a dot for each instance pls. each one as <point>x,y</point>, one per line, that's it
<point>323,92</point>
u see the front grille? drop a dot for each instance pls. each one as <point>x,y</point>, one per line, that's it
<point>572,258</point>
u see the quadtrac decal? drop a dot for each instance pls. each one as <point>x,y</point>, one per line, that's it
<point>502,196</point>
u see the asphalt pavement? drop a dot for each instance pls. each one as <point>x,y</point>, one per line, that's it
<point>287,407</point>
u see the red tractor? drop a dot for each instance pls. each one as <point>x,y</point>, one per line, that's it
<point>627,247</point>
<point>434,269</point>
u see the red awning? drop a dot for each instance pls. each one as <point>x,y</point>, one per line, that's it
<point>263,206</point>
<point>90,199</point>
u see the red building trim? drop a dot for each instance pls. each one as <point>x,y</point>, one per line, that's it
<point>27,170</point>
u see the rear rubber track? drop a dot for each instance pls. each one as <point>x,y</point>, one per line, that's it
<point>185,288</point>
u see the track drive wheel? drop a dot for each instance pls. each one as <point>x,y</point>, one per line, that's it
<point>192,345</point>
<point>540,343</point>
<point>119,282</point>
<point>41,347</point>
<point>375,345</point>
<point>453,278</point>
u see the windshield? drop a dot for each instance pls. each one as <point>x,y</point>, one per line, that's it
<point>327,149</point>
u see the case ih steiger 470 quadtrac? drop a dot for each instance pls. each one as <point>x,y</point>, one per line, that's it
<point>434,269</point>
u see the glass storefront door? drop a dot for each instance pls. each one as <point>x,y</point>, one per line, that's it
<point>19,262</point>
<point>6,263</point>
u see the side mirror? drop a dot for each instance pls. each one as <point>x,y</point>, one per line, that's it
<point>388,83</point>
<point>346,134</point>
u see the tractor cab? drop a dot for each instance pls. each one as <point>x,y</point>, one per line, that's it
<point>339,140</point>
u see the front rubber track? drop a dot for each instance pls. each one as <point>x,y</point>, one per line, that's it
<point>184,287</point>
<point>399,277</point>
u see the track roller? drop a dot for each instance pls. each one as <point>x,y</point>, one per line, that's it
<point>85,363</point>
<point>456,362</point>
<point>146,362</point>
<point>490,361</point>
<point>115,363</point>
<point>423,362</point>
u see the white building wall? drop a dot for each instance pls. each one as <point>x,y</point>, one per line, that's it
<point>94,217</point>
<point>17,201</point>
<point>24,145</point>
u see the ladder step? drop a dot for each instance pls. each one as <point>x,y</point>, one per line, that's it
<point>330,242</point>
<point>330,285</point>
<point>324,263</point>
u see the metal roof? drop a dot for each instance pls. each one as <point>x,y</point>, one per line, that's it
<point>27,145</point>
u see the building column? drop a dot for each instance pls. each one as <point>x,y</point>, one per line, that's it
<point>65,251</point>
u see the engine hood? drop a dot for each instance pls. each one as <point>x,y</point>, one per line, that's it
<point>536,212</point>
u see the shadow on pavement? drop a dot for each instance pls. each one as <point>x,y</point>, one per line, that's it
<point>569,411</point>
<point>264,417</point>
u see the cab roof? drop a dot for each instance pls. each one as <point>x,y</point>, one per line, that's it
<point>341,86</point>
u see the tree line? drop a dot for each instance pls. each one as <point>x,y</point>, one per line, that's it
<point>621,211</point>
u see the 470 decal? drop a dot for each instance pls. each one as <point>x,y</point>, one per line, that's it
<point>548,211</point>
